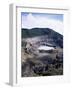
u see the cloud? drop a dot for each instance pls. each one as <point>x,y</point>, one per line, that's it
<point>42,22</point>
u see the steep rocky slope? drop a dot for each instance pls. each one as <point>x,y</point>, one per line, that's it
<point>45,63</point>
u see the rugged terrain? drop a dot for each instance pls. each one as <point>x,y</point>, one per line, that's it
<point>44,62</point>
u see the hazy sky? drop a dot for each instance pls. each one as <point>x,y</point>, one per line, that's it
<point>42,20</point>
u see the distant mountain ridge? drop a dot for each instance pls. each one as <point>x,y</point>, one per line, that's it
<point>27,33</point>
<point>46,34</point>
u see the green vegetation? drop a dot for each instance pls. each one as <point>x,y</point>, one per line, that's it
<point>27,33</point>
